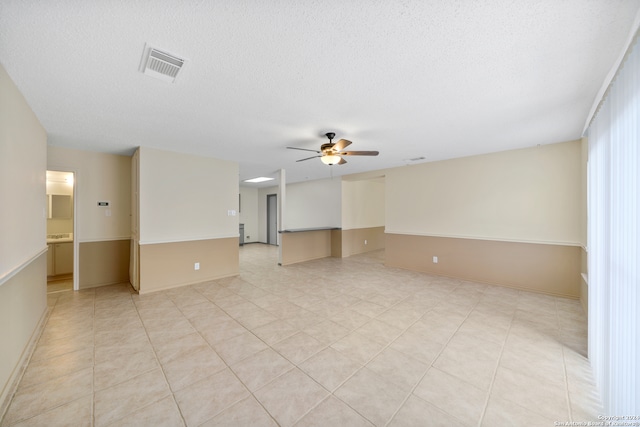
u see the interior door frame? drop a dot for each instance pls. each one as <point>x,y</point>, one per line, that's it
<point>270,219</point>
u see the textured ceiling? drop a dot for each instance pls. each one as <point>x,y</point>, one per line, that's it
<point>434,79</point>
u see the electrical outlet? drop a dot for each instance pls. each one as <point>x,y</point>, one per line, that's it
<point>435,259</point>
<point>365,242</point>
<point>196,266</point>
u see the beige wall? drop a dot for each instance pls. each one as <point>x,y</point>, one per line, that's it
<point>504,218</point>
<point>23,261</point>
<point>305,246</point>
<point>363,203</point>
<point>549,269</point>
<point>99,177</point>
<point>314,204</point>
<point>184,218</point>
<point>249,214</point>
<point>103,263</point>
<point>169,265</point>
<point>186,197</point>
<point>360,240</point>
<point>527,195</point>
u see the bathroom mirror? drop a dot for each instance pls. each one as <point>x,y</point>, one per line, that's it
<point>59,206</point>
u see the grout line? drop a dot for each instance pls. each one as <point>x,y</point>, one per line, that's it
<point>495,371</point>
<point>411,393</point>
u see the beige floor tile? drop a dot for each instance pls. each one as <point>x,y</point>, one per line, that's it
<point>462,328</point>
<point>240,347</point>
<point>76,413</point>
<point>59,347</point>
<point>502,412</point>
<point>333,412</point>
<point>31,401</point>
<point>275,331</point>
<point>298,347</point>
<point>418,347</point>
<point>548,399</point>
<point>247,412</point>
<point>290,396</point>
<point>326,332</point>
<point>163,413</point>
<point>223,330</point>
<point>453,396</point>
<point>400,318</point>
<point>189,368</point>
<point>120,337</point>
<point>180,347</point>
<point>303,319</point>
<point>330,368</point>
<point>172,332</point>
<point>473,368</point>
<point>205,399</point>
<point>255,318</point>
<point>398,368</point>
<point>44,370</point>
<point>373,397</point>
<point>350,319</point>
<point>65,330</point>
<point>121,368</point>
<point>125,398</point>
<point>358,347</point>
<point>417,412</point>
<point>367,308</point>
<point>379,331</point>
<point>261,368</point>
<point>105,354</point>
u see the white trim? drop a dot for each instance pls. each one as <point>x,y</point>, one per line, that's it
<point>602,93</point>
<point>22,265</point>
<point>496,239</point>
<point>196,239</point>
<point>104,239</point>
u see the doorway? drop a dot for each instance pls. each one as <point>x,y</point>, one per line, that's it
<point>60,214</point>
<point>272,219</point>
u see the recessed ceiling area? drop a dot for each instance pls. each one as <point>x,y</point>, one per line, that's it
<point>411,79</point>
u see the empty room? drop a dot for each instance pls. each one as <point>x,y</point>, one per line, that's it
<point>319,214</point>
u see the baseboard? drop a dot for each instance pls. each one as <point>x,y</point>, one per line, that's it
<point>21,366</point>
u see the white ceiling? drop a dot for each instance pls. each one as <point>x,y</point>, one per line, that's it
<point>439,79</point>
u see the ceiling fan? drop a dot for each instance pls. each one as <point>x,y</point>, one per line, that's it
<point>331,153</point>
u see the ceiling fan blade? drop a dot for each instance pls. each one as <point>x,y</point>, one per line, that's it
<point>307,158</point>
<point>358,153</point>
<point>341,162</point>
<point>341,145</point>
<point>304,149</point>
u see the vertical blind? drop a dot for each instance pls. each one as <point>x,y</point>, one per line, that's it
<point>614,241</point>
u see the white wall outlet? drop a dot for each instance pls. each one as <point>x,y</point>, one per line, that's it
<point>196,266</point>
<point>231,212</point>
<point>435,259</point>
<point>365,241</point>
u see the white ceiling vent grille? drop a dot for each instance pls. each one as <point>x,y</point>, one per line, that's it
<point>161,65</point>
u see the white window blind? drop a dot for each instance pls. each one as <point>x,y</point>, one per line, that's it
<point>614,241</point>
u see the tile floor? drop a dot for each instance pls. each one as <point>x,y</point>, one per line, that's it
<point>362,345</point>
<point>60,285</point>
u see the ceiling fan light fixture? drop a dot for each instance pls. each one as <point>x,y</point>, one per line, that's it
<point>330,159</point>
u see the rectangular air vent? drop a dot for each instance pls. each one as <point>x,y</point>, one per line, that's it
<point>161,65</point>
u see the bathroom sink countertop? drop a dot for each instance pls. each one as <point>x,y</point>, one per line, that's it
<point>60,238</point>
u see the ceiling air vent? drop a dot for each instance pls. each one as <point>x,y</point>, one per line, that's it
<point>161,65</point>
